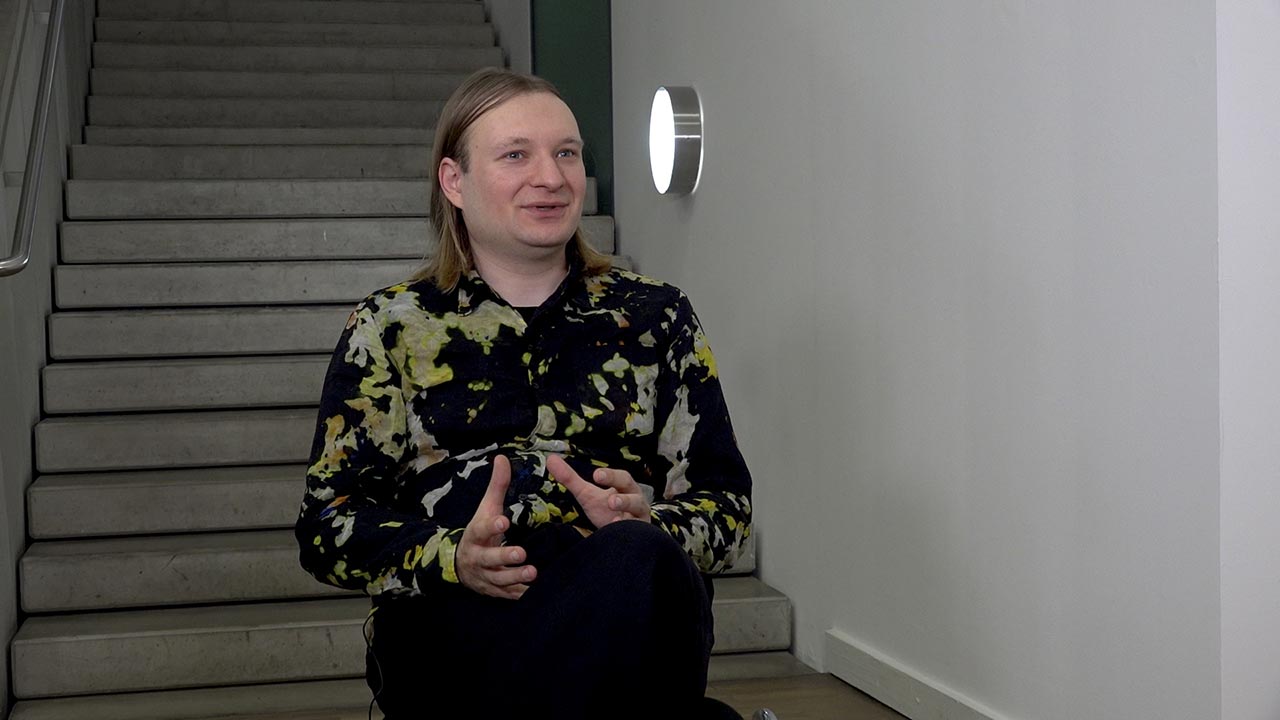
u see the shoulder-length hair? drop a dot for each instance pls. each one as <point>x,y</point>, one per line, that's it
<point>478,94</point>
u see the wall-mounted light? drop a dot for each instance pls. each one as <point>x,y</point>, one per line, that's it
<point>675,140</point>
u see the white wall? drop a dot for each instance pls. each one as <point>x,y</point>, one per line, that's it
<point>512,24</point>
<point>958,262</point>
<point>25,299</point>
<point>1249,227</point>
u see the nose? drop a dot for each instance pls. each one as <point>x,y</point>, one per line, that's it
<point>548,173</point>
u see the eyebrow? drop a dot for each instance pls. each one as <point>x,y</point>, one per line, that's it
<point>509,142</point>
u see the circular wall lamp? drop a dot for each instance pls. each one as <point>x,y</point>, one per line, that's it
<point>675,140</point>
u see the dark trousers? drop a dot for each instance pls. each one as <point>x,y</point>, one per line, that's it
<point>617,625</point>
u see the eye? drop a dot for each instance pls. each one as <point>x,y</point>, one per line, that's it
<point>568,153</point>
<point>514,155</point>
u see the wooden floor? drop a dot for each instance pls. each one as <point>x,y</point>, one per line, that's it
<point>804,697</point>
<point>801,697</point>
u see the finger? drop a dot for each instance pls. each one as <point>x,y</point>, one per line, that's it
<point>512,592</point>
<point>497,557</point>
<point>511,576</point>
<point>629,504</point>
<point>486,530</point>
<point>619,480</point>
<point>562,473</point>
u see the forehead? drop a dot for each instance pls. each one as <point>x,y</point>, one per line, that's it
<point>538,117</point>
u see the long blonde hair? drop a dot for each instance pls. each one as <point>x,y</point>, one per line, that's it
<point>481,92</point>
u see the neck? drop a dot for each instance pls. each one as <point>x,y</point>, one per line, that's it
<point>523,282</point>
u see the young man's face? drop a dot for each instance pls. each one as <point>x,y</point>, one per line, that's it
<point>521,195</point>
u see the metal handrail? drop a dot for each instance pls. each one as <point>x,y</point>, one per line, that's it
<point>22,230</point>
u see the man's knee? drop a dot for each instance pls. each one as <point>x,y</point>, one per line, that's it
<point>642,541</point>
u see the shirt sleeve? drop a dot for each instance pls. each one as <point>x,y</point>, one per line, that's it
<point>706,503</point>
<point>348,533</point>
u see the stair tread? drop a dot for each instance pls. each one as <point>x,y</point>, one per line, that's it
<point>75,505</point>
<point>333,10</point>
<point>237,618</point>
<point>292,198</point>
<point>182,383</point>
<point>324,57</point>
<point>226,542</point>
<point>112,135</point>
<point>194,569</point>
<point>320,696</point>
<point>226,283</point>
<point>367,84</point>
<point>157,162</point>
<point>238,240</point>
<point>250,32</point>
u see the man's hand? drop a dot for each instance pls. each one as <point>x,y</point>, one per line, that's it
<point>482,562</point>
<point>620,498</point>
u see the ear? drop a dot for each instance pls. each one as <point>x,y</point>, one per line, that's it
<point>450,174</point>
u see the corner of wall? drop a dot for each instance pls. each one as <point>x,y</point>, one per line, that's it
<point>896,685</point>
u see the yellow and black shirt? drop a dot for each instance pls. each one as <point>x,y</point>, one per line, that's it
<point>426,387</point>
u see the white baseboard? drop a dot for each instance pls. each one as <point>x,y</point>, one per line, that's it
<point>899,687</point>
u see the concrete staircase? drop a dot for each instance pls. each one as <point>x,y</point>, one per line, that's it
<point>251,169</point>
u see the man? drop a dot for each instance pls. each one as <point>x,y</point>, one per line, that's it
<point>490,437</point>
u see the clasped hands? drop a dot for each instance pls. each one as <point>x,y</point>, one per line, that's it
<point>487,566</point>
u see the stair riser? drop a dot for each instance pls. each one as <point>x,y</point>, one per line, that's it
<point>330,699</point>
<point>122,199</point>
<point>269,571</point>
<point>181,333</point>
<point>248,654</point>
<point>194,241</point>
<point>340,86</point>
<point>261,437</point>
<point>152,661</point>
<point>188,241</point>
<point>112,286</point>
<point>295,11</point>
<point>99,135</point>
<point>101,583</point>
<point>285,58</point>
<point>90,162</point>
<point>254,112</point>
<point>72,506</point>
<point>183,384</point>
<point>177,32</point>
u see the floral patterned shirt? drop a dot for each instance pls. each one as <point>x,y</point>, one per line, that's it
<point>426,387</point>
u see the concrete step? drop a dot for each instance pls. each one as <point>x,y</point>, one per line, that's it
<point>86,505</point>
<point>211,32</point>
<point>160,199</point>
<point>174,384</point>
<point>343,86</point>
<point>223,283</point>
<point>79,505</point>
<point>199,332</point>
<point>222,162</point>
<point>173,440</point>
<point>329,699</point>
<point>276,642</point>
<point>124,241</point>
<point>331,11</point>
<point>285,58</point>
<point>102,135</point>
<point>278,282</point>
<point>165,570</point>
<point>259,112</point>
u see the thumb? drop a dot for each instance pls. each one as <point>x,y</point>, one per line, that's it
<point>496,494</point>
